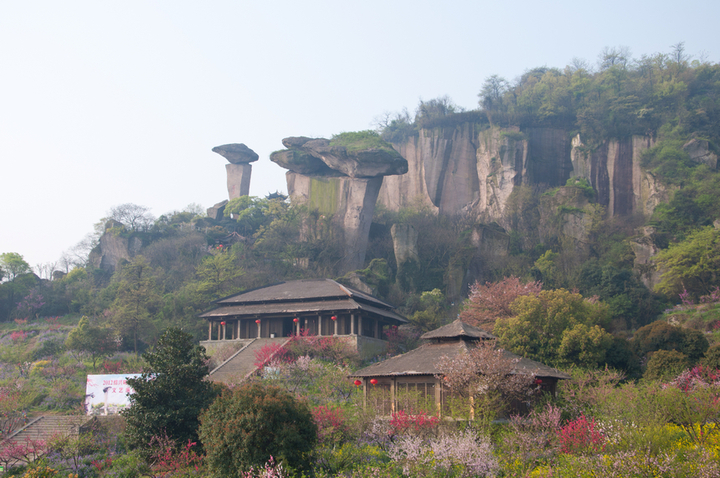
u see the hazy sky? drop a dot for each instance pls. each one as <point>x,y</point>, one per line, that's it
<point>109,102</point>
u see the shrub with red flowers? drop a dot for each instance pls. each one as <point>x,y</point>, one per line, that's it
<point>418,423</point>
<point>272,352</point>
<point>111,367</point>
<point>168,459</point>
<point>696,377</point>
<point>692,401</point>
<point>332,427</point>
<point>21,451</point>
<point>581,436</point>
<point>102,464</point>
<point>332,349</point>
<point>18,335</point>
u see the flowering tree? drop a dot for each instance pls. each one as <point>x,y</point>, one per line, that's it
<point>460,455</point>
<point>491,301</point>
<point>692,401</point>
<point>486,377</point>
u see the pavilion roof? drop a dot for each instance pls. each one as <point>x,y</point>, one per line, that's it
<point>308,296</point>
<point>425,359</point>
<point>457,330</point>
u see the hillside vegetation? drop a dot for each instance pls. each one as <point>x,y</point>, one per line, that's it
<point>644,361</point>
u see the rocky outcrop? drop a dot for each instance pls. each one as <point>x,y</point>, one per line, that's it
<point>407,260</point>
<point>569,216</point>
<point>644,248</point>
<point>700,153</point>
<point>474,169</point>
<point>341,183</point>
<point>302,163</point>
<point>236,153</point>
<point>239,170</point>
<point>501,166</point>
<point>350,201</point>
<point>216,212</point>
<point>363,163</point>
<point>238,180</point>
<point>404,238</point>
<point>613,169</point>
<point>114,246</point>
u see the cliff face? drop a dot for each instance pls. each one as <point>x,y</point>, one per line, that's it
<point>467,169</point>
<point>614,171</point>
<point>351,202</point>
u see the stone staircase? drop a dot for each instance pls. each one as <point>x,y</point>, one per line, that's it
<point>46,426</point>
<point>242,364</point>
<point>38,432</point>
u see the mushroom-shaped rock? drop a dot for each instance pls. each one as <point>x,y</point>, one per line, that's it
<point>236,153</point>
<point>301,163</point>
<point>357,155</point>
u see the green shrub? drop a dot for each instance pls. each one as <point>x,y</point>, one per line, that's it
<point>665,364</point>
<point>712,357</point>
<point>248,425</point>
<point>360,140</point>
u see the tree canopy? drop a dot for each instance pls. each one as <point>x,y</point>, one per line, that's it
<point>556,326</point>
<point>170,393</point>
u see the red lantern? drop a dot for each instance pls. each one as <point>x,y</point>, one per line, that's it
<point>222,323</point>
<point>334,317</point>
<point>357,382</point>
<point>373,381</point>
<point>257,321</point>
<point>538,381</point>
<point>296,320</point>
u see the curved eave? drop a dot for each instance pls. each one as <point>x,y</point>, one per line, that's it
<point>278,309</point>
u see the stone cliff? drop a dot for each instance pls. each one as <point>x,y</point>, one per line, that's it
<point>473,169</point>
<point>342,182</point>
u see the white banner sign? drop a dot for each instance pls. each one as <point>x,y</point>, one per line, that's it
<point>107,394</point>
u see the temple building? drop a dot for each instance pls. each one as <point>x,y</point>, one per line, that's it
<point>320,307</point>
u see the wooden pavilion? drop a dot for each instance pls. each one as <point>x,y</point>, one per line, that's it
<point>417,371</point>
<point>320,307</point>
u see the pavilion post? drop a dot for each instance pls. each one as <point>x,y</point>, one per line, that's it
<point>359,331</point>
<point>209,329</point>
<point>335,327</point>
<point>352,324</point>
<point>319,325</point>
<point>259,324</point>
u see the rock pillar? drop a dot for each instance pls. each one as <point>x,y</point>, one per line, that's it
<point>238,180</point>
<point>239,170</point>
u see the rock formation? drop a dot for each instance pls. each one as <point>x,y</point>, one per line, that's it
<point>216,212</point>
<point>341,183</point>
<point>474,170</point>
<point>699,152</point>
<point>114,246</point>
<point>645,250</point>
<point>239,170</point>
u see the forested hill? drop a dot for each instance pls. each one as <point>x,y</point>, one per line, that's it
<point>602,180</point>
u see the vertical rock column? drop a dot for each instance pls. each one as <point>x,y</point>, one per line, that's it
<point>239,169</point>
<point>359,200</point>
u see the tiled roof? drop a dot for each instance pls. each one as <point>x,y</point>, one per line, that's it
<point>458,329</point>
<point>425,359</point>
<point>300,290</point>
<point>301,297</point>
